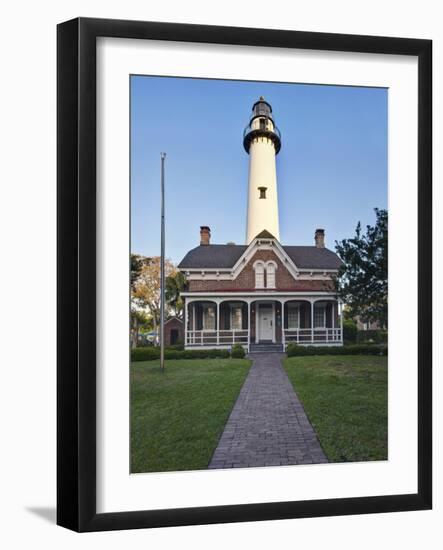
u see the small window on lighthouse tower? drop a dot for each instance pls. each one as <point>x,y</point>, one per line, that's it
<point>262,192</point>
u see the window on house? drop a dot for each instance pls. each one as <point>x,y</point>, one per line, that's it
<point>270,275</point>
<point>262,192</point>
<point>259,276</point>
<point>293,316</point>
<point>236,318</point>
<point>319,316</point>
<point>209,317</point>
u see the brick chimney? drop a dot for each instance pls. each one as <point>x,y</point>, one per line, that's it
<point>205,235</point>
<point>320,238</point>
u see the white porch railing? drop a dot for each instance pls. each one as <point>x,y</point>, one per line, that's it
<point>302,336</point>
<point>313,335</point>
<point>216,337</point>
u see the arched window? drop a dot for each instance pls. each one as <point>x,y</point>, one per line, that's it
<point>259,275</point>
<point>270,275</point>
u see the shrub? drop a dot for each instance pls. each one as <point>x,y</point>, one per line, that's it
<point>238,351</point>
<point>349,331</point>
<point>145,354</point>
<point>180,346</point>
<point>292,349</point>
<point>198,354</point>
<point>368,349</point>
<point>372,336</point>
<point>151,354</point>
<point>145,344</point>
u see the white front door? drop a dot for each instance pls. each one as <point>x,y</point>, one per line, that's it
<point>266,323</point>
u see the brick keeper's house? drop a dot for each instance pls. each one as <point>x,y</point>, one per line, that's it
<point>262,294</point>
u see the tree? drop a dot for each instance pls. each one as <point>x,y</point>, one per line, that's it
<point>362,282</point>
<point>139,320</point>
<point>175,284</point>
<point>146,290</point>
<point>137,262</point>
<point>137,313</point>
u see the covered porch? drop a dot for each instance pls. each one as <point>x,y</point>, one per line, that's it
<point>217,321</point>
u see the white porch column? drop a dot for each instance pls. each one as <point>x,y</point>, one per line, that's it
<point>341,321</point>
<point>186,322</point>
<point>249,326</point>
<point>312,321</point>
<point>218,322</point>
<point>334,336</point>
<point>193,323</point>
<point>283,336</point>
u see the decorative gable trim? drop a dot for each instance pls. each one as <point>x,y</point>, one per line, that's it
<point>265,244</point>
<point>174,319</point>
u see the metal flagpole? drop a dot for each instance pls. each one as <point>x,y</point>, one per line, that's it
<point>162,265</point>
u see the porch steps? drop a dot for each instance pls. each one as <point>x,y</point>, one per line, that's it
<point>266,348</point>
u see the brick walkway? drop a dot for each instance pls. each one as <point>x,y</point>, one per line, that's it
<point>268,425</point>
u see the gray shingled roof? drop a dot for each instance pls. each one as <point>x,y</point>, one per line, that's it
<point>311,257</point>
<point>213,256</point>
<point>225,256</point>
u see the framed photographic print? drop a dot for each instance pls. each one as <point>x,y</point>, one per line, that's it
<point>236,339</point>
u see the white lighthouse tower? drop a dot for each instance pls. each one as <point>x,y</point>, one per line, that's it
<point>262,141</point>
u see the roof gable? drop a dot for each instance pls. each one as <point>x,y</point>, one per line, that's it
<point>265,244</point>
<point>285,272</point>
<point>173,319</point>
<point>265,235</point>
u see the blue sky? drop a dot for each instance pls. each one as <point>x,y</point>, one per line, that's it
<point>331,170</point>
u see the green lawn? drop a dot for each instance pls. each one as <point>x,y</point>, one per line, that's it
<point>345,398</point>
<point>178,416</point>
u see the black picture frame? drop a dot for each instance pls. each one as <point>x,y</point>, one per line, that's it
<point>76,295</point>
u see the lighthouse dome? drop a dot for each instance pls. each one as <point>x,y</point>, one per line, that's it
<point>261,108</point>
